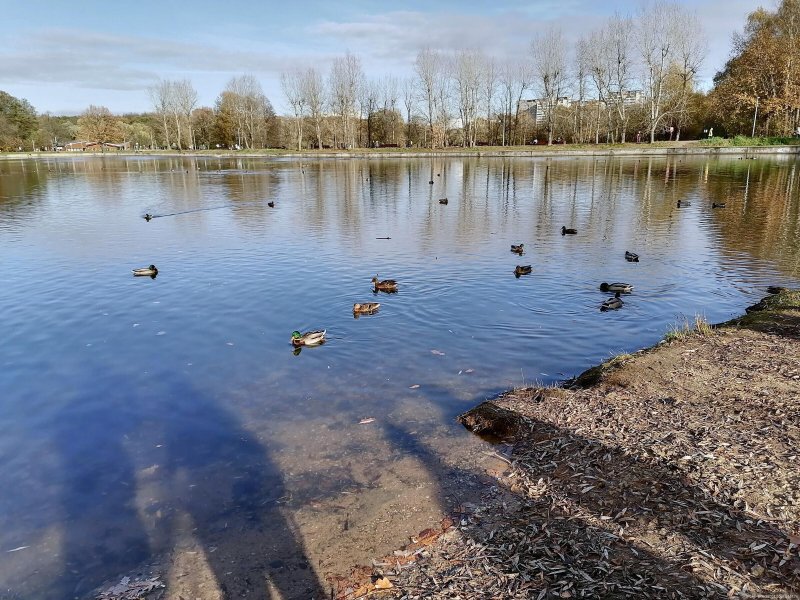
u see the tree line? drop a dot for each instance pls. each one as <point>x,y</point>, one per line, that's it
<point>632,78</point>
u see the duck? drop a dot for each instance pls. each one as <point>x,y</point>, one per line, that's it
<point>568,230</point>
<point>387,285</point>
<point>150,271</point>
<point>309,338</point>
<point>366,307</point>
<point>612,303</point>
<point>625,288</point>
<point>442,200</point>
<point>683,203</point>
<point>631,256</point>
<point>518,248</point>
<point>431,182</point>
<point>523,270</point>
<point>271,204</point>
<point>718,205</point>
<point>148,216</point>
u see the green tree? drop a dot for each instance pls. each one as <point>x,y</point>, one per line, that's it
<point>18,123</point>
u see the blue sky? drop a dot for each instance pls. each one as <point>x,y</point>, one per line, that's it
<point>62,56</point>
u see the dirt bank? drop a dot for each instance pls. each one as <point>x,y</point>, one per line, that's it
<point>671,473</point>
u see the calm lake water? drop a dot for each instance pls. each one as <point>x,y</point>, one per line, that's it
<point>141,415</point>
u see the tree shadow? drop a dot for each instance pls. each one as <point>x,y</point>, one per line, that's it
<point>589,520</point>
<point>177,476</point>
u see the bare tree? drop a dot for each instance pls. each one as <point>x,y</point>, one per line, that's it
<point>490,75</point>
<point>549,53</point>
<point>428,69</point>
<point>345,80</point>
<point>692,48</point>
<point>314,93</point>
<point>599,73</point>
<point>184,99</point>
<point>582,68</point>
<point>514,80</point>
<point>467,75</point>
<point>292,85</point>
<point>161,97</point>
<point>391,94</point>
<point>619,32</point>
<point>444,102</point>
<point>660,30</point>
<point>369,97</point>
<point>409,98</point>
<point>249,109</point>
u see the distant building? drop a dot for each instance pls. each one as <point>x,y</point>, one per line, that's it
<point>632,97</point>
<point>537,107</point>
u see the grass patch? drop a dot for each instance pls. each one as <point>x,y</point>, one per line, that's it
<point>743,140</point>
<point>592,376</point>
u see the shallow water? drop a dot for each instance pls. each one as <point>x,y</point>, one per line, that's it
<point>133,408</point>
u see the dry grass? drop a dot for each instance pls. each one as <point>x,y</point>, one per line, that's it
<point>684,329</point>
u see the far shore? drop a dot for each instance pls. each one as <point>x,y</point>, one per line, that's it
<point>690,148</point>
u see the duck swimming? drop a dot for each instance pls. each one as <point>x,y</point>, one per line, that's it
<point>625,288</point>
<point>518,249</point>
<point>612,303</point>
<point>150,271</point>
<point>148,216</point>
<point>523,270</point>
<point>309,338</point>
<point>366,308</point>
<point>271,204</point>
<point>631,257</point>
<point>387,285</point>
<point>718,205</point>
<point>442,200</point>
<point>568,230</point>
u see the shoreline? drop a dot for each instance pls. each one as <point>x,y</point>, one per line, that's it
<point>671,472</point>
<point>570,151</point>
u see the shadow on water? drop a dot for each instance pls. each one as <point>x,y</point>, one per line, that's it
<point>187,478</point>
<point>565,538</point>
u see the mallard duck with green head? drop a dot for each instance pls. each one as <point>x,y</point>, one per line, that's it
<point>309,338</point>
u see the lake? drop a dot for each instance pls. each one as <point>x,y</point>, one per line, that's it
<point>143,418</point>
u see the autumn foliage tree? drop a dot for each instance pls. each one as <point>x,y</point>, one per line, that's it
<point>97,124</point>
<point>764,69</point>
